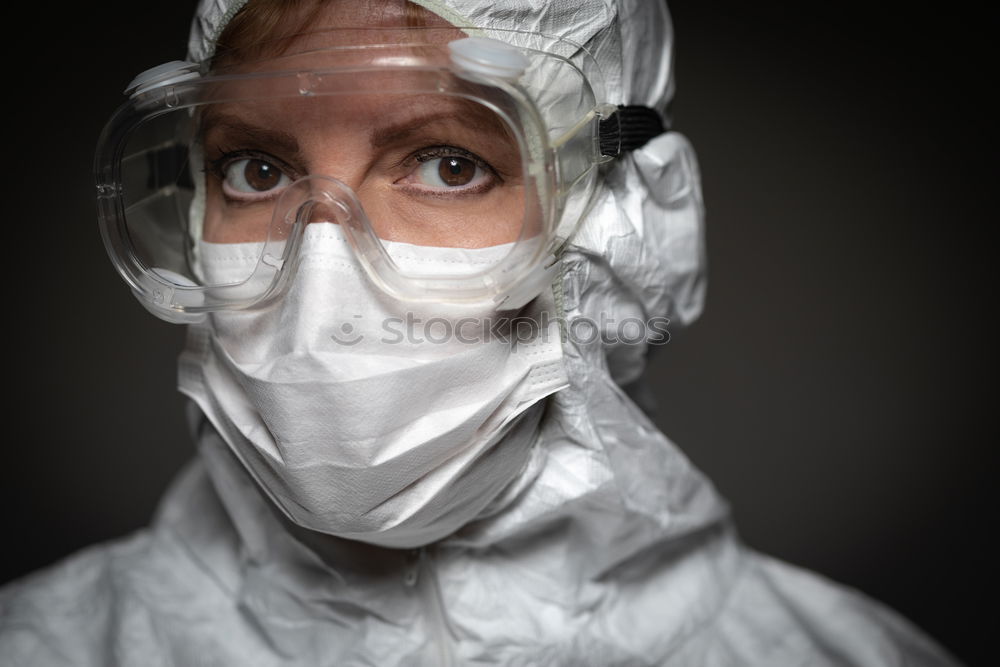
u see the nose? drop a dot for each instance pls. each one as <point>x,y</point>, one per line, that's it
<point>319,199</point>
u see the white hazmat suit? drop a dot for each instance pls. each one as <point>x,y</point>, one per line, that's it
<point>609,548</point>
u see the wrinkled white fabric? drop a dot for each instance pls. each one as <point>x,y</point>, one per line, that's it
<point>315,394</point>
<point>612,549</point>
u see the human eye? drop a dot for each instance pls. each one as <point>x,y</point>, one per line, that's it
<point>449,170</point>
<point>250,177</point>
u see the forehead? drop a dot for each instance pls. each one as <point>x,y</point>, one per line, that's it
<point>267,30</point>
<point>366,112</point>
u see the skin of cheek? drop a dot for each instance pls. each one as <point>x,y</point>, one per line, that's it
<point>493,218</point>
<point>228,223</point>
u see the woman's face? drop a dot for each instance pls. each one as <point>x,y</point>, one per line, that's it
<point>428,168</point>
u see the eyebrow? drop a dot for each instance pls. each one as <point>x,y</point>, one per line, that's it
<point>283,141</point>
<point>488,123</point>
<point>214,121</point>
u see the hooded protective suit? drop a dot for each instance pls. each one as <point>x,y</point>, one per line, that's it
<point>609,548</point>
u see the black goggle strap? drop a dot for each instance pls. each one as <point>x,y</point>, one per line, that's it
<point>629,128</point>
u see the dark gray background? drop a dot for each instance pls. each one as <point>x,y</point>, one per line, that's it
<point>835,389</point>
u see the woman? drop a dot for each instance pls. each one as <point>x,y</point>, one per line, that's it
<point>421,253</point>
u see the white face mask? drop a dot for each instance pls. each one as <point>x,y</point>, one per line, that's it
<point>363,417</point>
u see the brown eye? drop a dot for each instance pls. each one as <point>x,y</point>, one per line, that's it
<point>260,175</point>
<point>456,171</point>
<point>253,178</point>
<point>447,170</point>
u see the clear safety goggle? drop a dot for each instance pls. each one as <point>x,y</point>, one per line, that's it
<point>415,139</point>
